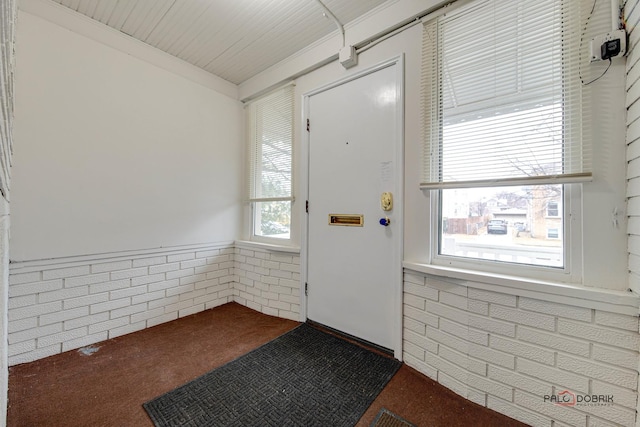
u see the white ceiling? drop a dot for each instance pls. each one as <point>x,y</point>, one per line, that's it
<point>233,39</point>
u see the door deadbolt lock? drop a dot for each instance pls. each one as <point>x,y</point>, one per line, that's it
<point>386,201</point>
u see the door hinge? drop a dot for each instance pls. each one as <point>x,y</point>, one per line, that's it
<point>307,206</point>
<point>308,126</point>
<point>306,289</point>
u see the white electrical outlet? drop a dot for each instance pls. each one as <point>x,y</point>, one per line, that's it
<point>598,41</point>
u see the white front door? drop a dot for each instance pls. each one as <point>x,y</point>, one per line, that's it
<point>354,271</point>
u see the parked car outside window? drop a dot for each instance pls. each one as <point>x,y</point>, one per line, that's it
<point>497,226</point>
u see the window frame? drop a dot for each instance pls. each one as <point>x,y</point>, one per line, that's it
<point>254,202</point>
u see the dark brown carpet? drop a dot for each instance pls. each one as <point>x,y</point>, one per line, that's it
<point>108,387</point>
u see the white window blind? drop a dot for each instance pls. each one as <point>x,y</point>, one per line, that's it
<point>503,98</point>
<point>270,123</point>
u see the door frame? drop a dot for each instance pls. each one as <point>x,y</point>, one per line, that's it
<point>398,202</point>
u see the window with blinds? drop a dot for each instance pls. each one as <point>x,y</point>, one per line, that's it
<point>503,95</point>
<point>503,116</point>
<point>270,126</point>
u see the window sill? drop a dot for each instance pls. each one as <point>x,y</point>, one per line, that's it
<point>602,299</point>
<point>247,244</point>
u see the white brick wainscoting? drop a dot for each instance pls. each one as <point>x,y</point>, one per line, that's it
<point>62,304</point>
<point>507,351</point>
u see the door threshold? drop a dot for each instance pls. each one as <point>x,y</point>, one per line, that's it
<point>359,341</point>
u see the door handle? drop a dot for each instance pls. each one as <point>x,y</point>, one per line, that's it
<point>385,221</point>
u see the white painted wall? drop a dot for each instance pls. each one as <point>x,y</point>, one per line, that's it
<point>113,153</point>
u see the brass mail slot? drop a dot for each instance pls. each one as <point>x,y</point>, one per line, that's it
<point>346,220</point>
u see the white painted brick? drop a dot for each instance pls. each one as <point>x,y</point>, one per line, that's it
<point>181,257</point>
<point>266,279</point>
<point>193,294</point>
<point>246,252</point>
<point>413,278</point>
<point>167,284</point>
<point>279,305</point>
<point>35,310</point>
<point>291,299</point>
<point>448,340</point>
<point>180,289</point>
<point>421,367</point>
<point>413,325</point>
<point>149,296</point>
<point>35,355</point>
<point>34,333</point>
<point>602,335</point>
<point>22,324</point>
<point>618,414</point>
<point>494,388</point>
<point>447,312</point>
<point>290,267</point>
<point>61,337</point>
<point>227,264</point>
<point>414,350</point>
<point>162,319</point>
<point>126,329</point>
<point>146,262</point>
<point>127,274</point>
<point>17,279</point>
<point>453,300</point>
<point>84,341</point>
<point>109,305</point>
<point>448,368</point>
<point>516,380</point>
<point>540,321</point>
<point>147,314</point>
<point>191,310</point>
<point>621,377</point>
<point>127,311</point>
<point>254,261</point>
<point>205,269</point>
<point>207,284</point>
<point>560,413</point>
<point>34,288</point>
<point>207,253</point>
<point>252,305</point>
<point>463,361</point>
<point>621,396</point>
<point>292,284</point>
<point>282,258</point>
<point>63,294</point>
<point>623,358</point>
<point>414,301</point>
<point>193,263</point>
<point>478,307</point>
<point>464,332</point>
<point>109,286</point>
<point>517,412</point>
<point>179,273</point>
<point>445,286</point>
<point>108,325</point>
<point>70,303</point>
<point>218,259</point>
<point>569,380</point>
<point>164,268</point>
<point>556,342</point>
<point>616,320</point>
<point>145,280</point>
<point>192,279</point>
<point>270,311</point>
<point>492,297</point>
<point>421,341</point>
<point>62,273</point>
<point>492,356</point>
<point>523,350</point>
<point>70,282</point>
<point>86,320</point>
<point>598,422</point>
<point>127,292</point>
<point>421,316</point>
<point>22,347</point>
<point>204,299</point>
<point>61,316</point>
<point>291,315</point>
<point>478,397</point>
<point>164,302</point>
<point>282,274</point>
<point>493,326</point>
<point>23,301</point>
<point>555,309</point>
<point>110,266</point>
<point>452,384</point>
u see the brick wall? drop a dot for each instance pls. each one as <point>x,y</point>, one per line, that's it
<point>268,281</point>
<point>69,303</point>
<point>507,352</point>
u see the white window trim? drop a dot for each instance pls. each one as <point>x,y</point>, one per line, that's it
<point>570,273</point>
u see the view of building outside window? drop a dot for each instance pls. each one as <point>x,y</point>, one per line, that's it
<point>510,224</point>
